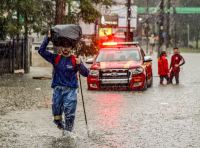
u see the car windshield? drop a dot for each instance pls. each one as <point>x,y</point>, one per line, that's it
<point>118,55</point>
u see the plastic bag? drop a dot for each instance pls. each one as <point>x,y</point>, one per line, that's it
<point>66,35</point>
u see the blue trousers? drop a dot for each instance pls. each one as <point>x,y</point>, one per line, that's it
<point>64,100</point>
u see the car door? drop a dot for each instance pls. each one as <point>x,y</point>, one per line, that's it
<point>147,65</point>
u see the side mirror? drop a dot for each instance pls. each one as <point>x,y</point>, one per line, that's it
<point>148,59</point>
<point>89,61</point>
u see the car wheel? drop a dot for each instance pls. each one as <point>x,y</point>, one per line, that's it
<point>145,86</point>
<point>89,88</point>
<point>151,83</point>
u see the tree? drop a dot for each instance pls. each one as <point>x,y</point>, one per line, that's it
<point>189,19</point>
<point>22,17</point>
<point>60,11</point>
<point>181,20</point>
<point>36,15</point>
<point>87,11</point>
<point>30,14</point>
<point>142,3</point>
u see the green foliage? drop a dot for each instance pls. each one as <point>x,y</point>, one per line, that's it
<point>12,29</point>
<point>182,20</point>
<point>189,3</point>
<point>3,23</point>
<point>38,15</point>
<point>142,3</point>
<point>192,20</point>
<point>103,2</point>
<point>33,14</point>
<point>88,13</point>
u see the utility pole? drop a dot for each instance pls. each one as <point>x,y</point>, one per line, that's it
<point>161,27</point>
<point>175,36</point>
<point>188,30</point>
<point>60,11</point>
<point>168,23</point>
<point>128,20</point>
<point>147,28</point>
<point>17,52</point>
<point>26,54</point>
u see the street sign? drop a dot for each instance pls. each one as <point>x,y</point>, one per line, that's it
<point>105,31</point>
<point>179,10</point>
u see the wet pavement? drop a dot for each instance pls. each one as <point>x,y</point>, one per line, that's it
<point>162,117</point>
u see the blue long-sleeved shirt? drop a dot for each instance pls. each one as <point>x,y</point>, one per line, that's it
<point>65,73</point>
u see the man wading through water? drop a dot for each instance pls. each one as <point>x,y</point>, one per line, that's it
<point>64,83</point>
<point>176,62</point>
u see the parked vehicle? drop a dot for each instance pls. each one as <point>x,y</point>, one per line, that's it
<point>121,65</point>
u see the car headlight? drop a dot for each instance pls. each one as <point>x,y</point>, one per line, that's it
<point>137,70</point>
<point>94,73</point>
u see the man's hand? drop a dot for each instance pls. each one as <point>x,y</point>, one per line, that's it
<point>78,61</point>
<point>49,34</point>
<point>170,70</point>
<point>176,65</point>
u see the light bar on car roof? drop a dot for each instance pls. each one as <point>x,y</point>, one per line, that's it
<point>119,43</point>
<point>110,43</point>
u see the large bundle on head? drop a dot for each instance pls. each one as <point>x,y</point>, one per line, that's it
<point>66,35</point>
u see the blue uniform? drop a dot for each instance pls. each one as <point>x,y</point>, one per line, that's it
<point>65,85</point>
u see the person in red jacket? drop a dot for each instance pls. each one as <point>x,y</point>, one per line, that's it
<point>176,61</point>
<point>163,70</point>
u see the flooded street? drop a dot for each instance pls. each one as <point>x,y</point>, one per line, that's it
<point>160,117</point>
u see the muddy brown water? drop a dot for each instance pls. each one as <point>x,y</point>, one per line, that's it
<point>161,117</point>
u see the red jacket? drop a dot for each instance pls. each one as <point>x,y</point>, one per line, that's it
<point>163,69</point>
<point>176,60</point>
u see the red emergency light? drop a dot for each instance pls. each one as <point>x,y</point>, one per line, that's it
<point>119,43</point>
<point>110,43</point>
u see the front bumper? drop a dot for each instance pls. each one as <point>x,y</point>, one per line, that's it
<point>135,82</point>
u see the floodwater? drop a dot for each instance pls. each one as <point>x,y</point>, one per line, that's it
<point>161,117</point>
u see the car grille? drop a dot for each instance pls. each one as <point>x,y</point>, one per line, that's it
<point>114,78</point>
<point>114,74</point>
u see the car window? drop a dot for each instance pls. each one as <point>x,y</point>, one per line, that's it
<point>118,55</point>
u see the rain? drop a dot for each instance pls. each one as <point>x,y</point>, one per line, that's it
<point>159,115</point>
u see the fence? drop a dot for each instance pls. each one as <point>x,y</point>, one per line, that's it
<point>12,55</point>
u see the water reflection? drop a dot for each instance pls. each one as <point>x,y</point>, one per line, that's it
<point>109,109</point>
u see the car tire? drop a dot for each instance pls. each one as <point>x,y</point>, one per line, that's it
<point>151,83</point>
<point>145,86</point>
<point>89,88</point>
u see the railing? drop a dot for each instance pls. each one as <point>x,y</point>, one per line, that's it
<point>12,55</point>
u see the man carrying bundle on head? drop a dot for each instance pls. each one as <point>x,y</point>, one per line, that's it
<point>65,66</point>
